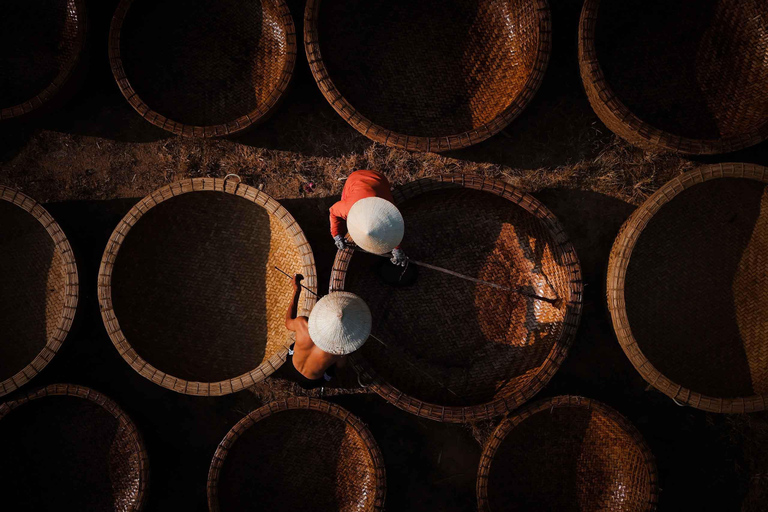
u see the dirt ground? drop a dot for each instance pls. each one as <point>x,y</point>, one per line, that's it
<point>90,161</point>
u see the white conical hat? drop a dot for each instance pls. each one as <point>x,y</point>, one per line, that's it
<point>375,224</point>
<point>340,323</point>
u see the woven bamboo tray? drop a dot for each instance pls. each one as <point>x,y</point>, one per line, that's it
<point>428,75</point>
<point>40,47</point>
<point>688,288</point>
<point>298,454</point>
<point>203,69</point>
<point>457,351</point>
<point>188,290</point>
<point>69,447</point>
<point>689,76</point>
<point>567,453</point>
<point>38,294</point>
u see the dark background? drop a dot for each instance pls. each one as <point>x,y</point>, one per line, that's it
<point>430,466</point>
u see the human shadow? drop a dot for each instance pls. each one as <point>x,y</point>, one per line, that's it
<point>450,341</point>
<point>188,287</point>
<point>33,291</point>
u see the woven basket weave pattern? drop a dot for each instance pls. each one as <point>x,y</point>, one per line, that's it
<point>199,68</point>
<point>298,454</point>
<point>95,457</point>
<point>698,90</point>
<point>189,275</point>
<point>688,288</point>
<point>428,75</point>
<point>39,292</point>
<point>41,44</point>
<point>567,453</point>
<point>493,349</point>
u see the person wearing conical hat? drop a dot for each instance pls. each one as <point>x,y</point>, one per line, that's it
<point>339,324</point>
<point>373,221</point>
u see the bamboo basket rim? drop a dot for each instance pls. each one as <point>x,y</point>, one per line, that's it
<point>123,346</point>
<point>186,130</point>
<point>611,110</point>
<point>71,288</point>
<point>564,401</point>
<point>298,403</point>
<point>48,93</point>
<point>105,403</point>
<point>621,253</point>
<point>394,139</point>
<point>501,404</point>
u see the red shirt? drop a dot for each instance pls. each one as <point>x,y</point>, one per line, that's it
<point>359,185</point>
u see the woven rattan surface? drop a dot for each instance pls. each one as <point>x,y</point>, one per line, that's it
<point>38,288</point>
<point>40,46</point>
<point>199,68</point>
<point>188,290</point>
<point>459,351</point>
<point>688,75</point>
<point>688,288</point>
<point>567,453</point>
<point>67,447</point>
<point>428,75</point>
<point>298,454</point>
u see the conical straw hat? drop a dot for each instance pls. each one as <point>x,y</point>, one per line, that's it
<point>340,323</point>
<point>375,224</point>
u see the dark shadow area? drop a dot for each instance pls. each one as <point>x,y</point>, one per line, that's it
<point>704,81</point>
<point>559,126</point>
<point>690,284</point>
<point>430,465</point>
<point>297,460</point>
<point>188,287</point>
<point>757,154</point>
<point>32,290</point>
<point>568,459</point>
<point>470,343</point>
<point>60,447</point>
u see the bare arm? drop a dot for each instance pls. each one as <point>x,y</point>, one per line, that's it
<point>293,307</point>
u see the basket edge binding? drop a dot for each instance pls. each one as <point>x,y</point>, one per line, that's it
<point>393,139</point>
<point>499,406</point>
<point>110,406</point>
<point>71,288</point>
<point>245,121</point>
<point>620,119</point>
<point>618,262</point>
<point>273,207</point>
<point>509,423</point>
<point>301,403</point>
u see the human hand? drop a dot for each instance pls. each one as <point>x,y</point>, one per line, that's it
<point>340,243</point>
<point>398,257</point>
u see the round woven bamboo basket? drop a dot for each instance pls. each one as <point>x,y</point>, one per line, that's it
<point>40,47</point>
<point>428,75</point>
<point>203,69</point>
<point>298,454</point>
<point>567,453</point>
<point>452,350</point>
<point>188,288</point>
<point>687,76</point>
<point>38,294</point>
<point>688,288</point>
<point>69,445</point>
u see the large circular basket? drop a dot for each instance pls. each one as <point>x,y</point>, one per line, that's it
<point>67,445</point>
<point>40,47</point>
<point>188,288</point>
<point>199,68</point>
<point>38,288</point>
<point>298,454</point>
<point>689,76</point>
<point>428,75</point>
<point>688,288</point>
<point>450,349</point>
<point>567,453</point>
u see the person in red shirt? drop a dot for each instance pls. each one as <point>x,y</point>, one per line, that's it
<point>359,185</point>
